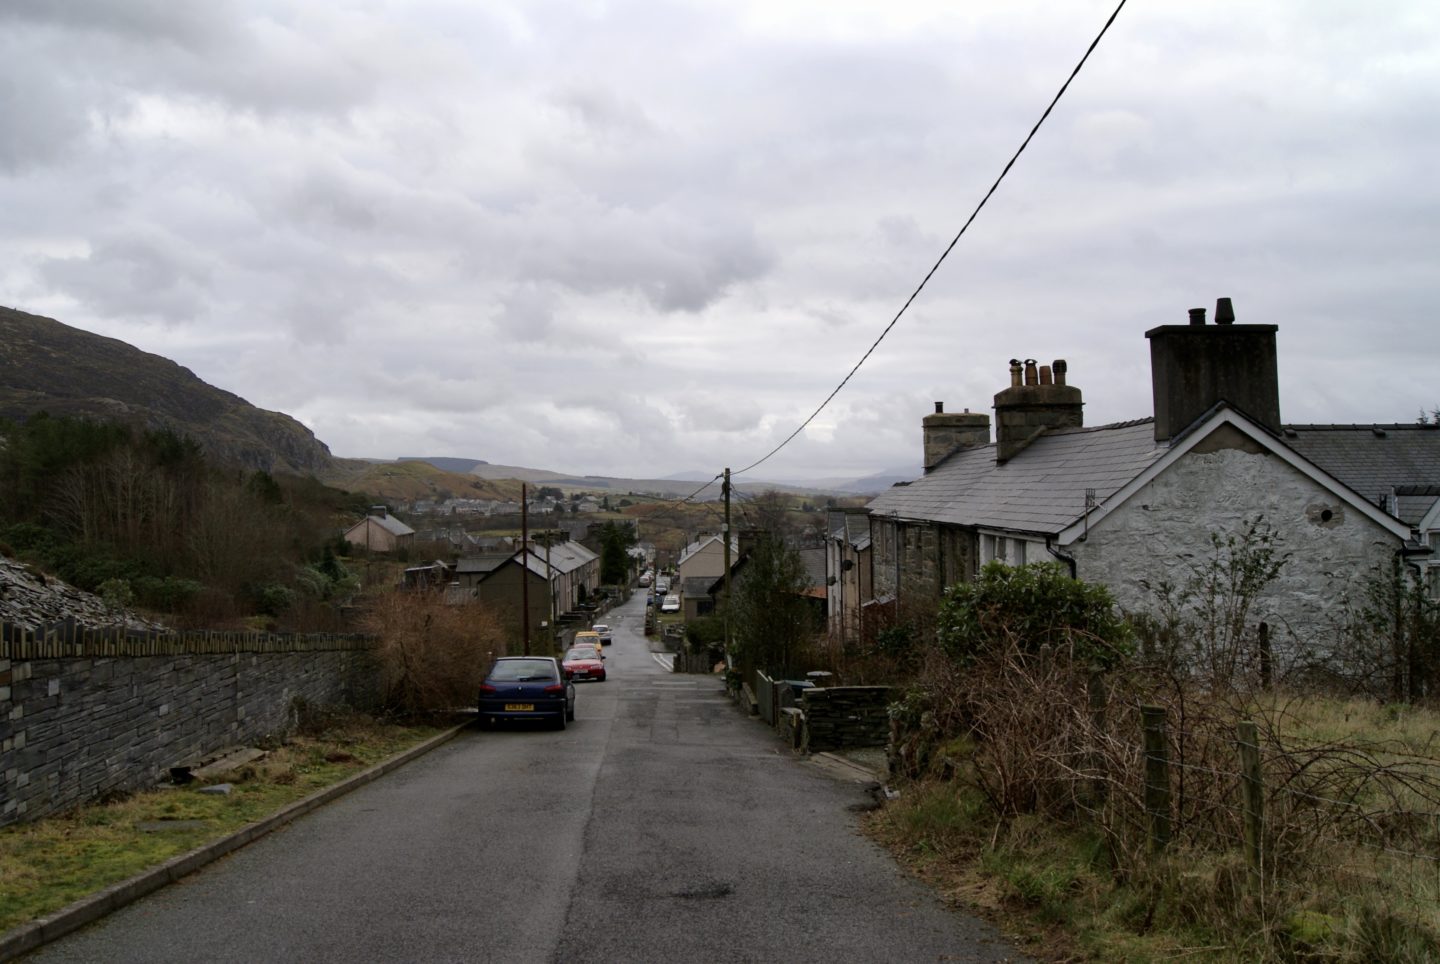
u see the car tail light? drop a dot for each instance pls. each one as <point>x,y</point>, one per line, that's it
<point>555,688</point>
<point>487,688</point>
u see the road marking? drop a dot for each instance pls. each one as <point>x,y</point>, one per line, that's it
<point>668,667</point>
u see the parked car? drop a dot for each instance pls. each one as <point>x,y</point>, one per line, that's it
<point>606,636</point>
<point>582,664</point>
<point>671,604</point>
<point>645,578</point>
<point>588,637</point>
<point>662,584</point>
<point>527,688</point>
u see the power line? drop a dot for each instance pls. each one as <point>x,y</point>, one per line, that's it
<point>946,253</point>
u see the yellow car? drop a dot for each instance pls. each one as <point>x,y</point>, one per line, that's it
<point>587,637</point>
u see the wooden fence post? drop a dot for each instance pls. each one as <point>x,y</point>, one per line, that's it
<point>1265,657</point>
<point>1157,775</point>
<point>1254,802</point>
<point>1095,691</point>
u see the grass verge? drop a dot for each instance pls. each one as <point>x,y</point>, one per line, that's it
<point>53,862</point>
<point>1056,885</point>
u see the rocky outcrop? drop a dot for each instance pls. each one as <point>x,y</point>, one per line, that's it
<point>48,366</point>
<point>30,599</point>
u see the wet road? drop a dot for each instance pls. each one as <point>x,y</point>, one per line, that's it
<point>662,825</point>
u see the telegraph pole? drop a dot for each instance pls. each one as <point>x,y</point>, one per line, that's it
<point>524,568</point>
<point>725,540</point>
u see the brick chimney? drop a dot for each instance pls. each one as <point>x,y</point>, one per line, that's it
<point>948,434</point>
<point>1037,399</point>
<point>1194,366</point>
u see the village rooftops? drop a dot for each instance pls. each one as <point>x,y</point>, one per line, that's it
<point>1385,464</point>
<point>1040,489</point>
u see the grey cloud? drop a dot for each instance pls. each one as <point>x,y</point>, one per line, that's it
<point>39,115</point>
<point>144,274</point>
<point>191,24</point>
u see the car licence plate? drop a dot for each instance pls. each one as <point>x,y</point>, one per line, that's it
<point>519,707</point>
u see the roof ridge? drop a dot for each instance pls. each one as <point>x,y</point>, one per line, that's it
<point>1340,426</point>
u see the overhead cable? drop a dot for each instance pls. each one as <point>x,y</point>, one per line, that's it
<point>926,280</point>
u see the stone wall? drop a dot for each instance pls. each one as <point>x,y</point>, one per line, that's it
<point>108,714</point>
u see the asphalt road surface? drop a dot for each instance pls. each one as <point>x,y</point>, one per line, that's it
<point>662,825</point>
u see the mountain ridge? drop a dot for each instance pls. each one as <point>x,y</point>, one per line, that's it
<point>49,366</point>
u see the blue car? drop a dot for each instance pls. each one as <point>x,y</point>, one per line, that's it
<point>527,688</point>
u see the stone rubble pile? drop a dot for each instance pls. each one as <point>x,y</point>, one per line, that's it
<point>30,599</point>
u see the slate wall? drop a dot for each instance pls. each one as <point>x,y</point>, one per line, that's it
<point>77,727</point>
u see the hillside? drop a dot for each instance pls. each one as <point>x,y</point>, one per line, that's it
<point>408,481</point>
<point>49,366</point>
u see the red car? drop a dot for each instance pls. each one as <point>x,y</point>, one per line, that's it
<point>582,663</point>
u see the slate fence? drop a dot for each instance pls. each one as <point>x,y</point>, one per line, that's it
<point>815,719</point>
<point>88,712</point>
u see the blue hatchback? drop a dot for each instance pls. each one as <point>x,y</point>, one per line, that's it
<point>527,688</point>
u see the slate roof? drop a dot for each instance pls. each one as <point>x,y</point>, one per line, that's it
<point>1041,489</point>
<point>697,587</point>
<point>567,556</point>
<point>1377,461</point>
<point>487,563</point>
<point>814,560</point>
<point>392,525</point>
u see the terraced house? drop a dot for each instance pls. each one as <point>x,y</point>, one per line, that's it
<point>1131,503</point>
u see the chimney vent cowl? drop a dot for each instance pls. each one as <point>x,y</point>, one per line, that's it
<point>1224,312</point>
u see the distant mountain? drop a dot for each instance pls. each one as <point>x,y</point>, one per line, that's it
<point>48,366</point>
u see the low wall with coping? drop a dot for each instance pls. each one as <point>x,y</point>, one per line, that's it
<point>85,714</point>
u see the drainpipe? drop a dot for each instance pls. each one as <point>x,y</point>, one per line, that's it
<point>1063,556</point>
<point>1406,555</point>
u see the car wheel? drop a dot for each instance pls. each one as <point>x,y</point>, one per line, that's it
<point>570,712</point>
<point>560,721</point>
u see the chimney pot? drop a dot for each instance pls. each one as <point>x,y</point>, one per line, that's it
<point>939,408</point>
<point>1031,376</point>
<point>1059,368</point>
<point>1197,316</point>
<point>1015,373</point>
<point>1045,375</point>
<point>1224,312</point>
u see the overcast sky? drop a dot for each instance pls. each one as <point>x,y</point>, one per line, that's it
<point>638,238</point>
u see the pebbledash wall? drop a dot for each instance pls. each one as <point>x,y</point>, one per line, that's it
<point>85,714</point>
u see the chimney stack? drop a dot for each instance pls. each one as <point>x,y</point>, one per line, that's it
<point>1043,401</point>
<point>1193,367</point>
<point>947,434</point>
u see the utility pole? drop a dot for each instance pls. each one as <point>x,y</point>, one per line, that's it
<point>725,541</point>
<point>524,568</point>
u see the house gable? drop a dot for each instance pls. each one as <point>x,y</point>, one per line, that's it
<point>1226,429</point>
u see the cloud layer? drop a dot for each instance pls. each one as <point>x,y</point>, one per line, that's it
<point>630,238</point>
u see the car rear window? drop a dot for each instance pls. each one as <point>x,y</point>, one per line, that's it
<point>519,669</point>
<point>581,652</point>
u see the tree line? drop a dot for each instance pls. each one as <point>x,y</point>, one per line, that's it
<point>141,516</point>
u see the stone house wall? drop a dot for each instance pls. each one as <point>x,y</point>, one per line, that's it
<point>1164,531</point>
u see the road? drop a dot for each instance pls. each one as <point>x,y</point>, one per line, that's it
<point>662,825</point>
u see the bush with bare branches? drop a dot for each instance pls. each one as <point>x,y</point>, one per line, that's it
<point>432,655</point>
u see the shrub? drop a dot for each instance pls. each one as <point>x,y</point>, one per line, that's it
<point>1032,606</point>
<point>433,656</point>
